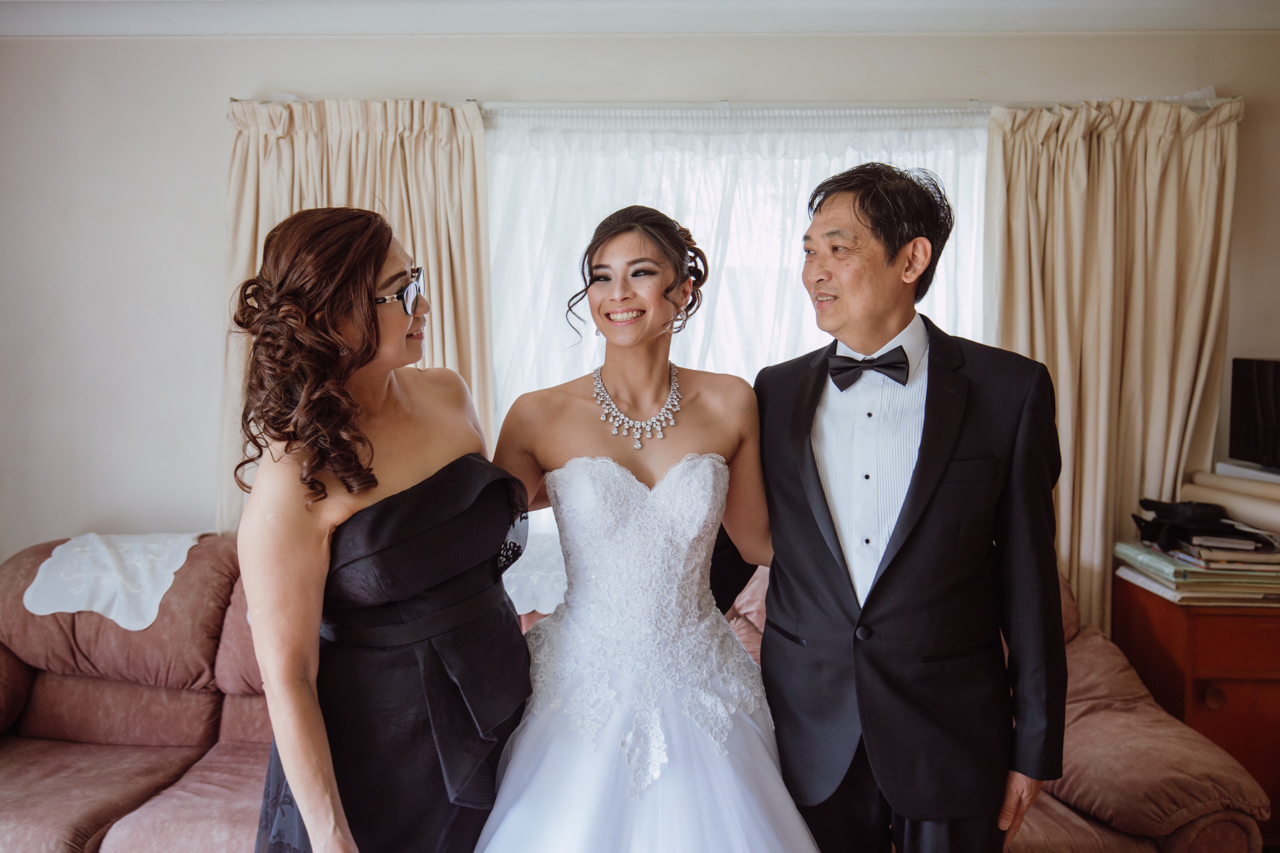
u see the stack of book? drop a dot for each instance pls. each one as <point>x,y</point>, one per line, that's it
<point>1204,572</point>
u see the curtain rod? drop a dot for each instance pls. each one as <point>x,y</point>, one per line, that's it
<point>739,106</point>
<point>726,106</point>
<point>720,120</point>
<point>1197,103</point>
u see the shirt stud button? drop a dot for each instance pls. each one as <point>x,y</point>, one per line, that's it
<point>866,476</point>
<point>868,541</point>
<point>868,414</point>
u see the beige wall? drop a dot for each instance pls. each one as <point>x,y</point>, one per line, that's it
<point>113,163</point>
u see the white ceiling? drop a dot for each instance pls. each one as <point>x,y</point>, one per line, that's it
<point>416,17</point>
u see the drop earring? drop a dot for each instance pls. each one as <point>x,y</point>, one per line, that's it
<point>599,334</point>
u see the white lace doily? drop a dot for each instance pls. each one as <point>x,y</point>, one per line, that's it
<point>123,577</point>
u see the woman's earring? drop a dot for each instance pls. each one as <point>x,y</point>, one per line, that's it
<point>342,351</point>
<point>682,319</point>
<point>599,334</point>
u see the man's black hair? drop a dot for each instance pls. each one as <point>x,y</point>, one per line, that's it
<point>897,206</point>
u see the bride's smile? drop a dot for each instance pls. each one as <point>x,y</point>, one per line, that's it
<point>633,293</point>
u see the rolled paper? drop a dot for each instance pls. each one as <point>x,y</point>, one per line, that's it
<point>1250,509</point>
<point>1239,485</point>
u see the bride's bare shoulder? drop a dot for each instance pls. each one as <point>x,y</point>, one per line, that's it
<point>724,391</point>
<point>549,404</point>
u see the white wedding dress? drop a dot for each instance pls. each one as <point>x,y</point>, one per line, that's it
<point>648,728</point>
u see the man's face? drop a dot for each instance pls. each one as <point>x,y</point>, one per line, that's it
<point>845,271</point>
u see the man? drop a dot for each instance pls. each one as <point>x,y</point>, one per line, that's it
<point>909,476</point>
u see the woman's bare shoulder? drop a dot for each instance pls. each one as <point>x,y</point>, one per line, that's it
<point>279,496</point>
<point>723,390</point>
<point>440,384</point>
<point>547,403</point>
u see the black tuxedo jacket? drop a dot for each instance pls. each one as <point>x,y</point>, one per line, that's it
<point>918,672</point>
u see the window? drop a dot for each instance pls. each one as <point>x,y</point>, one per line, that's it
<point>740,181</point>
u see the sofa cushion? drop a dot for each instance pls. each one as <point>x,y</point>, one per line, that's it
<point>244,710</point>
<point>236,668</point>
<point>177,650</point>
<point>213,807</point>
<point>245,719</point>
<point>1220,832</point>
<point>1070,610</point>
<point>99,710</point>
<point>1051,827</point>
<point>1128,763</point>
<point>63,796</point>
<point>15,687</point>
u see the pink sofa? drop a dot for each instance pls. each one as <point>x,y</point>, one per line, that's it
<point>115,740</point>
<point>1134,778</point>
<point>157,740</point>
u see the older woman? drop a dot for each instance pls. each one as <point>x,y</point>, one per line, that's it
<point>371,547</point>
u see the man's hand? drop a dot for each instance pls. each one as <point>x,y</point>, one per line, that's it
<point>750,602</point>
<point>528,620</point>
<point>1019,793</point>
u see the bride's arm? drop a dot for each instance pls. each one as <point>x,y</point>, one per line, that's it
<point>514,454</point>
<point>746,515</point>
<point>746,519</point>
<point>515,449</point>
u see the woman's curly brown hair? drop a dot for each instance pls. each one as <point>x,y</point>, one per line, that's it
<point>319,271</point>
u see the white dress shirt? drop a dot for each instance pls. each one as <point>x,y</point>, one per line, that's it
<point>865,441</point>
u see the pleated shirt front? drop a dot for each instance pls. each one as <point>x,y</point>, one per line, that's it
<point>865,442</point>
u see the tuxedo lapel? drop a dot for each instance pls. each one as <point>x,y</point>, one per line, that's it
<point>807,398</point>
<point>943,411</point>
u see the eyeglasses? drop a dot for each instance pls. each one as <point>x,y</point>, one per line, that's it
<point>407,295</point>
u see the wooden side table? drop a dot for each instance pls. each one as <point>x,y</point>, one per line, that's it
<point>1215,668</point>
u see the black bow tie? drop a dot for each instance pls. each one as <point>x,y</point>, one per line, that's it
<point>845,371</point>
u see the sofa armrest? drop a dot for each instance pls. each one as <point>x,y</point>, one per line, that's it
<point>1220,832</point>
<point>15,687</point>
<point>1129,764</point>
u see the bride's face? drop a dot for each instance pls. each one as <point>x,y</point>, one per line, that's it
<point>629,277</point>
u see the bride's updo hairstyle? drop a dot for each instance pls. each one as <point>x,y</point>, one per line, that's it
<point>319,273</point>
<point>672,239</point>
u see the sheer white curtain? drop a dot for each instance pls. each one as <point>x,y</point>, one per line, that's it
<point>740,181</point>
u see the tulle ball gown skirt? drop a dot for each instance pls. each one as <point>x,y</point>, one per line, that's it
<point>559,792</point>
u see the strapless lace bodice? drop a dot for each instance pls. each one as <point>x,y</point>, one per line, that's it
<point>638,617</point>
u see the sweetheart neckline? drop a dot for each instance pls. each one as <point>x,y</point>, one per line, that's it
<point>405,491</point>
<point>637,480</point>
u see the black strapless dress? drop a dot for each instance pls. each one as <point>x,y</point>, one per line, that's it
<point>423,669</point>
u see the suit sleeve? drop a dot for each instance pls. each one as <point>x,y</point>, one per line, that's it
<point>1031,610</point>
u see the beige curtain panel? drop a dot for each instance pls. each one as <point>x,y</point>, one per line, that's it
<point>1108,228</point>
<point>421,165</point>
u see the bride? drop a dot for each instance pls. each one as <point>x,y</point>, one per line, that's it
<point>647,729</point>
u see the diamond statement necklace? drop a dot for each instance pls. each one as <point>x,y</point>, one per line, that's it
<point>664,418</point>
